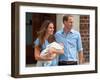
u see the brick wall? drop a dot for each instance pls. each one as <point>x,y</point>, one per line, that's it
<point>84,30</point>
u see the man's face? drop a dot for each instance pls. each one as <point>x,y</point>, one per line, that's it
<point>68,24</point>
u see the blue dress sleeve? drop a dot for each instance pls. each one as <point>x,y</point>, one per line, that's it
<point>36,42</point>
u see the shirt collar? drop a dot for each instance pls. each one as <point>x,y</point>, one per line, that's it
<point>62,31</point>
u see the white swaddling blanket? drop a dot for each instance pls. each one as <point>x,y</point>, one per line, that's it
<point>55,45</point>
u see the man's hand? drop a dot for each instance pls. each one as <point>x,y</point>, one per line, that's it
<point>48,56</point>
<point>81,58</point>
<point>52,50</point>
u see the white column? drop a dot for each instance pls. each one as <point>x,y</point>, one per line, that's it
<point>59,22</point>
<point>76,25</point>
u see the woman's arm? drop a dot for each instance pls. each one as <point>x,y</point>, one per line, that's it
<point>37,53</point>
<point>38,57</point>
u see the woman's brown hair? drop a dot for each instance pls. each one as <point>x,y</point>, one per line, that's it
<point>42,32</point>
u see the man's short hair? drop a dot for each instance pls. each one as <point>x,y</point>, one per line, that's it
<point>65,17</point>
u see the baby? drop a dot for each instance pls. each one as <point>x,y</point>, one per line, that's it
<point>54,45</point>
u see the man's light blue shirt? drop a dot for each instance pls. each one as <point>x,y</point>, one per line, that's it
<point>72,44</point>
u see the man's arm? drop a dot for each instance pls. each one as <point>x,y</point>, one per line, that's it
<point>53,51</point>
<point>80,49</point>
<point>81,57</point>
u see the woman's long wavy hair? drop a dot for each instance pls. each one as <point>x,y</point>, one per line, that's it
<point>42,33</point>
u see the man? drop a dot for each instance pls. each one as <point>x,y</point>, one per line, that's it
<point>73,51</point>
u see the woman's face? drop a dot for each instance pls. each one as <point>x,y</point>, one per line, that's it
<point>50,29</point>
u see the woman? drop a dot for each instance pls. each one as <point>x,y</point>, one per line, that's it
<point>44,37</point>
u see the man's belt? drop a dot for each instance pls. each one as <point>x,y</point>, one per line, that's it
<point>68,62</point>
